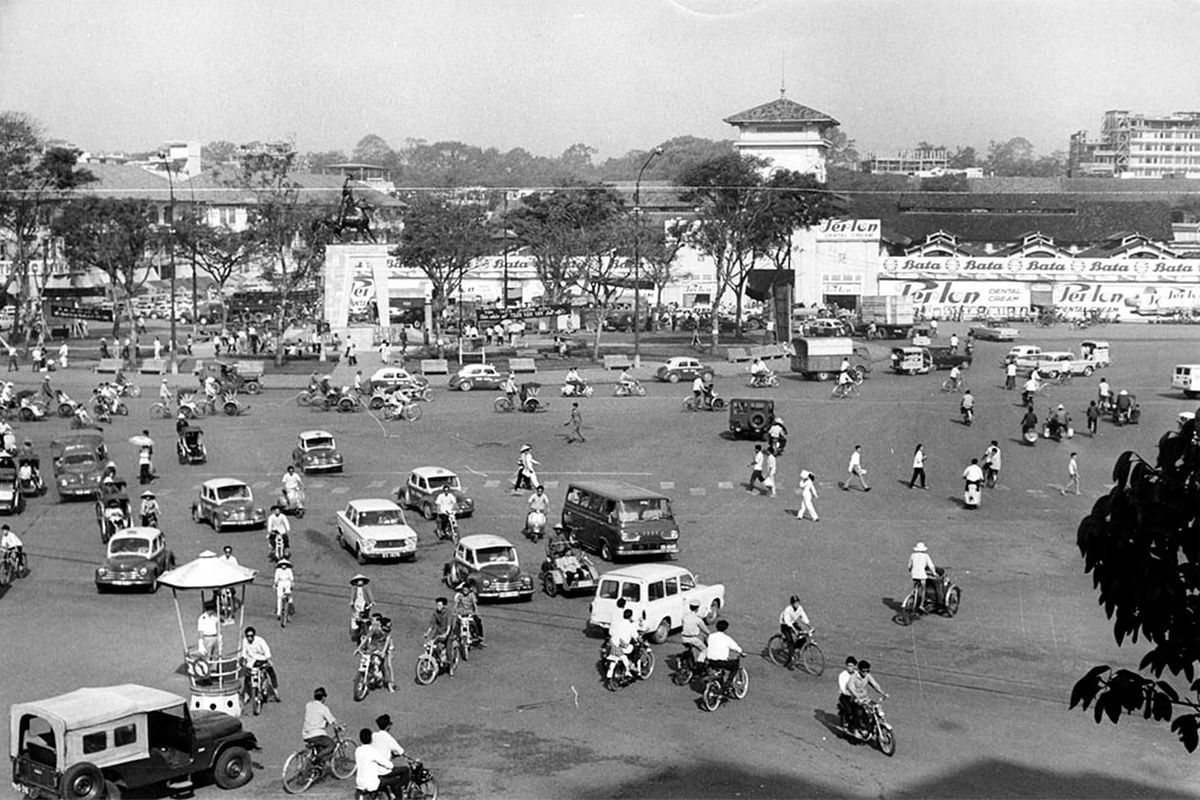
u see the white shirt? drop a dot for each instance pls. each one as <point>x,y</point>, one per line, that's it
<point>973,474</point>
<point>1011,369</point>
<point>1073,467</point>
<point>920,566</point>
<point>698,384</point>
<point>769,466</point>
<point>446,503</point>
<point>844,682</point>
<point>919,459</point>
<point>284,579</point>
<point>292,481</point>
<point>258,650</point>
<point>790,615</point>
<point>278,523</point>
<point>855,461</point>
<point>758,460</point>
<point>720,645</point>
<point>208,624</point>
<point>622,632</point>
<point>9,540</point>
<point>539,502</point>
<point>316,717</point>
<point>370,766</point>
<point>386,744</point>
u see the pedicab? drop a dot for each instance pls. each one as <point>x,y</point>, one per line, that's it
<point>911,360</point>
<point>527,399</point>
<point>1097,352</point>
<point>190,447</point>
<point>113,509</point>
<point>12,500</point>
<point>566,569</point>
<point>29,475</point>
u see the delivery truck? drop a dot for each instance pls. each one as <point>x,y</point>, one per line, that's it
<point>821,358</point>
<point>892,314</point>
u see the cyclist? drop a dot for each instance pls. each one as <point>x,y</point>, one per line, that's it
<point>11,543</point>
<point>627,381</point>
<point>793,623</point>
<point>695,632</point>
<point>164,393</point>
<point>317,719</point>
<point>510,387</point>
<point>278,533</point>
<point>256,654</point>
<point>720,652</point>
<point>923,572</point>
<point>844,381</point>
<point>967,406</point>
<point>701,392</point>
<point>955,377</point>
<point>447,505</point>
<point>283,581</point>
<point>441,631</point>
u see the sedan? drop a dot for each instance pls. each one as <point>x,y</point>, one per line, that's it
<point>316,451</point>
<point>423,486</point>
<point>135,558</point>
<point>227,503</point>
<point>681,367</point>
<point>396,377</point>
<point>490,564</point>
<point>376,529</point>
<point>476,376</point>
<point>995,333</point>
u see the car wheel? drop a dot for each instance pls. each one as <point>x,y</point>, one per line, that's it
<point>1087,372</point>
<point>661,632</point>
<point>465,386</point>
<point>233,768</point>
<point>83,782</point>
<point>606,550</point>
<point>673,378</point>
<point>549,586</point>
<point>427,511</point>
<point>153,588</point>
<point>824,376</point>
<point>358,554</point>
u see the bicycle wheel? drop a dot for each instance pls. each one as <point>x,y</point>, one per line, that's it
<point>299,772</point>
<point>160,411</point>
<point>303,399</point>
<point>711,699</point>
<point>426,670</point>
<point>412,412</point>
<point>813,658</point>
<point>779,650</point>
<point>342,762</point>
<point>740,683</point>
<point>948,385</point>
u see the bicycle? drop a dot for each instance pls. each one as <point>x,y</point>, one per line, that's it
<point>717,688</point>
<point>449,528</point>
<point>951,385</point>
<point>408,411</point>
<point>287,610</point>
<point>302,768</point>
<point>843,391</point>
<point>1063,378</point>
<point>802,650</point>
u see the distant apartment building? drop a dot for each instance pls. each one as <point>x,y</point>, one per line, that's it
<point>907,162</point>
<point>1139,146</point>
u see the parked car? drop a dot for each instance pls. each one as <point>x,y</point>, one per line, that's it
<point>316,451</point>
<point>78,462</point>
<point>132,736</point>
<point>658,594</point>
<point>393,377</point>
<point>376,528</point>
<point>135,558</point>
<point>227,503</point>
<point>425,483</point>
<point>826,327</point>
<point>1051,364</point>
<point>490,564</point>
<point>994,333</point>
<point>476,376</point>
<point>683,367</point>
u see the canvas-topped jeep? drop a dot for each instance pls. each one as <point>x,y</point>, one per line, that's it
<point>78,745</point>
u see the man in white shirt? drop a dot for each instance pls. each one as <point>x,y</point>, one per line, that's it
<point>721,650</point>
<point>756,468</point>
<point>447,504</point>
<point>207,627</point>
<point>621,635</point>
<point>284,581</point>
<point>293,488</point>
<point>921,569</point>
<point>372,770</point>
<point>277,526</point>
<point>846,705</point>
<point>383,741</point>
<point>856,470</point>
<point>317,719</point>
<point>257,653</point>
<point>793,622</point>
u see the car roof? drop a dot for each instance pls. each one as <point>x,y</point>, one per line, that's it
<point>1055,353</point>
<point>618,490</point>
<point>647,572</point>
<point>94,705</point>
<point>477,540</point>
<point>385,370</point>
<point>315,434</point>
<point>374,504</point>
<point>221,483</point>
<point>433,472</point>
<point>139,532</point>
<point>83,438</point>
<point>680,360</point>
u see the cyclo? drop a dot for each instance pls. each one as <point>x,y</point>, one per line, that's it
<point>910,609</point>
<point>527,399</point>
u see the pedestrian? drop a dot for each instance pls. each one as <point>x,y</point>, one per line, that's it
<point>38,357</point>
<point>954,343</point>
<point>157,348</point>
<point>104,348</point>
<point>252,335</point>
<point>14,360</point>
<point>575,422</point>
<point>1010,374</point>
<point>526,475</point>
<point>770,466</point>
<point>145,469</point>
<point>385,352</point>
<point>918,467</point>
<point>808,493</point>
<point>351,353</point>
<point>190,342</point>
<point>856,470</point>
<point>1093,417</point>
<point>756,468</point>
<point>404,342</point>
<point>1072,475</point>
<point>933,328</point>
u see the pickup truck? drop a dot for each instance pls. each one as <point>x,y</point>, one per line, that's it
<point>945,357</point>
<point>1052,364</point>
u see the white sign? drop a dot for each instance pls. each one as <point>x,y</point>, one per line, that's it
<point>1090,269</point>
<point>962,299</point>
<point>848,230</point>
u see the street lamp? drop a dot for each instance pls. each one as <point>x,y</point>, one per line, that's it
<point>637,257</point>
<point>171,250</point>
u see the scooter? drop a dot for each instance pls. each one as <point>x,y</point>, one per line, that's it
<point>292,502</point>
<point>535,525</point>
<point>576,390</point>
<point>968,415</point>
<point>972,494</point>
<point>629,389</point>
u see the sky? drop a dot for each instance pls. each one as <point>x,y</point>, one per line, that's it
<point>617,75</point>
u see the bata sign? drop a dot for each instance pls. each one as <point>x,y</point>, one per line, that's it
<point>848,230</point>
<point>1099,269</point>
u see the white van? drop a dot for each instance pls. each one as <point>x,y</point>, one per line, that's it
<point>1187,378</point>
<point>658,594</point>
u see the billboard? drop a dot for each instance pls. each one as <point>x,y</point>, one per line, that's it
<point>955,299</point>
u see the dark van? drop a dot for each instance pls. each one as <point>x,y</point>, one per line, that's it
<point>617,520</point>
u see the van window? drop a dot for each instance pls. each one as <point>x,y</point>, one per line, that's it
<point>672,587</point>
<point>125,734</point>
<point>608,590</point>
<point>655,591</point>
<point>576,497</point>
<point>646,509</point>
<point>686,582</point>
<point>95,742</point>
<point>631,591</point>
<point>608,510</point>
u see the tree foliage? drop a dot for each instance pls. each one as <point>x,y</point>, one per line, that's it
<point>114,236</point>
<point>442,238</point>
<point>842,149</point>
<point>1141,547</point>
<point>216,250</point>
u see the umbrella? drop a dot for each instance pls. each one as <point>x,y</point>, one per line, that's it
<point>141,441</point>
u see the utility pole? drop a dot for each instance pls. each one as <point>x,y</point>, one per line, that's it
<point>171,250</point>
<point>637,258</point>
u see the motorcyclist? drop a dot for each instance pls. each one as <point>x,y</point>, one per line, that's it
<point>721,650</point>
<point>924,573</point>
<point>539,503</point>
<point>695,632</point>
<point>621,635</point>
<point>278,532</point>
<point>1124,404</point>
<point>293,488</point>
<point>776,436</point>
<point>256,654</point>
<point>967,406</point>
<point>573,381</point>
<point>11,543</point>
<point>759,373</point>
<point>859,686</point>
<point>374,642</point>
<point>1030,388</point>
<point>1029,422</point>
<point>1058,421</point>
<point>847,709</point>
<point>627,381</point>
<point>955,377</point>
<point>793,622</point>
<point>702,390</point>
<point>283,581</point>
<point>440,630</point>
<point>447,505</point>
<point>149,510</point>
<point>1104,395</point>
<point>466,605</point>
<point>361,603</point>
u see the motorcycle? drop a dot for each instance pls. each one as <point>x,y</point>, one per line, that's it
<point>429,665</point>
<point>877,731</point>
<point>291,502</point>
<point>408,411</point>
<point>31,410</point>
<point>764,380</point>
<point>369,675</point>
<point>535,525</point>
<point>421,784</point>
<point>951,594</point>
<point>466,636</point>
<point>717,689</point>
<point>576,390</point>
<point>968,415</point>
<point>629,389</point>
<point>616,676</point>
<point>447,527</point>
<point>277,547</point>
<point>707,402</point>
<point>259,688</point>
<point>81,419</point>
<point>972,494</point>
<point>13,564</point>
<point>150,520</point>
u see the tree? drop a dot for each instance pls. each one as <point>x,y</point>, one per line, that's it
<point>372,149</point>
<point>659,247</point>
<point>115,236</point>
<point>219,152</point>
<point>963,158</point>
<point>1139,543</point>
<point>218,251</point>
<point>319,162</point>
<point>33,180</point>
<point>604,264</point>
<point>443,239</point>
<point>842,152</point>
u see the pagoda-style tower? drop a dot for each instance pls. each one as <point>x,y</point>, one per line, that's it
<point>789,135</point>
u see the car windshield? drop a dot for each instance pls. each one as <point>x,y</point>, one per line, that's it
<point>120,547</point>
<point>389,517</point>
<point>79,459</point>
<point>649,508</point>
<point>319,443</point>
<point>501,554</point>
<point>240,492</point>
<point>436,483</point>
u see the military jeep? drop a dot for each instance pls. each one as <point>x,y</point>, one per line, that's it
<point>750,417</point>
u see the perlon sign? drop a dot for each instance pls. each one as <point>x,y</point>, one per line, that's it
<point>848,230</point>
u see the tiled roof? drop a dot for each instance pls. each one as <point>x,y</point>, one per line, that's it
<point>780,110</point>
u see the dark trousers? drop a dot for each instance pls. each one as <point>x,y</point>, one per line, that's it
<point>918,472</point>
<point>755,476</point>
<point>1010,382</point>
<point>144,474</point>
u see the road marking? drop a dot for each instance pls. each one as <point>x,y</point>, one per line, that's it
<point>260,484</point>
<point>697,491</point>
<point>551,484</point>
<point>317,485</point>
<point>340,490</point>
<point>724,484</point>
<point>490,484</point>
<point>374,484</point>
<point>666,484</point>
<point>475,471</point>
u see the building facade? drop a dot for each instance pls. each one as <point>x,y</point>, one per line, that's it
<point>1139,146</point>
<point>786,134</point>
